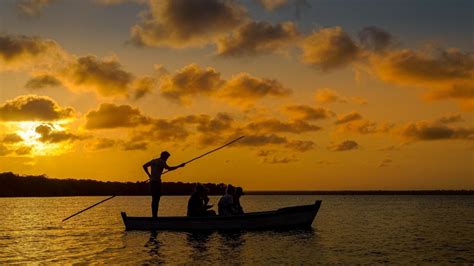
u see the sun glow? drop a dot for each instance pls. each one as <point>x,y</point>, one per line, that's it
<point>32,139</point>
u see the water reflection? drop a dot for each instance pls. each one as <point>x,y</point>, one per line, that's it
<point>153,248</point>
<point>199,244</point>
<point>231,245</point>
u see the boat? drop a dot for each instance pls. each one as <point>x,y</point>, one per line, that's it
<point>285,218</point>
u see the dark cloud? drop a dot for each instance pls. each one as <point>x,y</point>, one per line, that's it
<point>115,116</point>
<point>4,150</point>
<point>24,150</point>
<point>20,51</point>
<point>361,126</point>
<point>300,145</point>
<point>261,140</point>
<point>385,163</point>
<point>190,81</point>
<point>33,107</point>
<point>346,145</point>
<point>101,144</point>
<point>184,23</point>
<point>143,86</point>
<point>32,8</point>
<point>375,38</point>
<point>305,112</point>
<point>42,81</point>
<point>280,160</point>
<point>244,89</point>
<point>12,138</point>
<point>425,130</point>
<point>50,135</point>
<point>106,77</point>
<point>132,146</point>
<point>450,118</point>
<point>256,38</point>
<point>345,118</point>
<point>272,4</point>
<point>276,126</point>
<point>329,48</point>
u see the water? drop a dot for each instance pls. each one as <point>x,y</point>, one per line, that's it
<point>347,229</point>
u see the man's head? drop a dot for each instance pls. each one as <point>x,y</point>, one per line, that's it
<point>230,189</point>
<point>239,191</point>
<point>200,189</point>
<point>165,155</point>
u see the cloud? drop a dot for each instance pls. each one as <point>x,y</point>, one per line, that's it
<point>244,89</point>
<point>115,116</point>
<point>276,126</point>
<point>272,4</point>
<point>24,150</point>
<point>346,145</point>
<point>50,135</point>
<point>385,163</point>
<point>359,100</point>
<point>33,108</point>
<point>12,138</point>
<point>450,118</point>
<point>326,96</point>
<point>106,77</point>
<point>305,112</point>
<point>300,145</point>
<point>188,82</point>
<point>42,81</point>
<point>432,130</point>
<point>345,118</point>
<point>241,89</point>
<point>187,23</point>
<point>255,38</point>
<point>143,86</point>
<point>25,52</point>
<point>132,146</point>
<point>261,140</point>
<point>329,48</point>
<point>101,144</point>
<point>32,8</point>
<point>374,38</point>
<point>445,73</point>
<point>362,126</point>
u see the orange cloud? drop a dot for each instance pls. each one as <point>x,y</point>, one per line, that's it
<point>305,112</point>
<point>32,8</point>
<point>33,108</point>
<point>42,81</point>
<point>435,130</point>
<point>115,116</point>
<point>272,4</point>
<point>50,135</point>
<point>326,96</point>
<point>352,116</point>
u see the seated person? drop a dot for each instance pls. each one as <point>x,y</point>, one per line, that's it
<point>197,204</point>
<point>226,203</point>
<point>237,207</point>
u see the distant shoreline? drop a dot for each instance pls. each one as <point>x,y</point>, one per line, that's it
<point>14,185</point>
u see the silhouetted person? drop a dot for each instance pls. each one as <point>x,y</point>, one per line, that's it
<point>237,207</point>
<point>198,202</point>
<point>157,166</point>
<point>226,203</point>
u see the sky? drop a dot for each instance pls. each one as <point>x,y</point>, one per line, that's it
<point>329,94</point>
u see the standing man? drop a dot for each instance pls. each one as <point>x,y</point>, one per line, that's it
<point>157,167</point>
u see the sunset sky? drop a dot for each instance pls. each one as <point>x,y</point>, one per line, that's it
<point>330,94</point>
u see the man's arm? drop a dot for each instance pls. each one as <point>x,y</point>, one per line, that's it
<point>171,168</point>
<point>145,167</point>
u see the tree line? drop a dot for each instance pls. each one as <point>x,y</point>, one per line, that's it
<point>13,185</point>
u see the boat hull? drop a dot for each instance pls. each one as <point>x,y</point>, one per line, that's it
<point>285,218</point>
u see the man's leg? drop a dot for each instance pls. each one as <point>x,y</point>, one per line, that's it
<point>155,198</point>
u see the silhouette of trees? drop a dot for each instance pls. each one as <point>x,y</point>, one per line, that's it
<point>13,185</point>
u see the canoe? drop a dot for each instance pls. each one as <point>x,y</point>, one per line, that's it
<point>285,218</point>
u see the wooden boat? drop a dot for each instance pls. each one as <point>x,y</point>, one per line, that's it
<point>285,218</point>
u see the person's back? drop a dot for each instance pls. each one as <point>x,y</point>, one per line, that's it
<point>195,205</point>
<point>226,203</point>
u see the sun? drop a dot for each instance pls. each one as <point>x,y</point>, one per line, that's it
<point>32,139</point>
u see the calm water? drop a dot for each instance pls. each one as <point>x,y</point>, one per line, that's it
<point>347,229</point>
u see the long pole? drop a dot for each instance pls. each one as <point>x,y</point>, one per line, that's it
<point>193,159</point>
